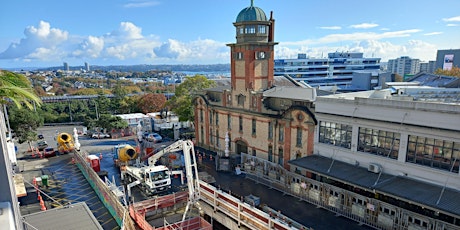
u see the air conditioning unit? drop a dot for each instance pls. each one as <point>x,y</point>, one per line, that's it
<point>375,168</point>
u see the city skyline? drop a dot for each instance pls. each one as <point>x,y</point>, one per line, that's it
<point>196,32</point>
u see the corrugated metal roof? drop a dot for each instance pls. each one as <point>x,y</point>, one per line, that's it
<point>423,193</point>
<point>420,192</point>
<point>347,173</point>
<point>75,216</point>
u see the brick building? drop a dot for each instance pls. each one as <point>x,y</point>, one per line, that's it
<point>267,116</point>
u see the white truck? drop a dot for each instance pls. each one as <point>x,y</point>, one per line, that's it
<point>151,179</point>
<point>154,178</point>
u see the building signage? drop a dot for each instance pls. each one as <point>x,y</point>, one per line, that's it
<point>448,61</point>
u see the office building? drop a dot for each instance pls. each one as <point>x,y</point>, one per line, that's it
<point>336,70</point>
<point>392,156</point>
<point>428,67</point>
<point>86,66</point>
<point>404,66</point>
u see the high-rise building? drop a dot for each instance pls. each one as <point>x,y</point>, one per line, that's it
<point>428,67</point>
<point>87,66</point>
<point>66,66</point>
<point>446,59</point>
<point>404,66</point>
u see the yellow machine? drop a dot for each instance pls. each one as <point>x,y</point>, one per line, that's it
<point>124,153</point>
<point>65,143</point>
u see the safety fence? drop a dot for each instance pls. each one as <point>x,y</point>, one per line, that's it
<point>244,214</point>
<point>364,210</point>
<point>111,201</point>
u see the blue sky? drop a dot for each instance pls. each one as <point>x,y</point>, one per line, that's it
<point>125,32</point>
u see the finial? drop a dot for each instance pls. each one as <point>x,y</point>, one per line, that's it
<point>252,3</point>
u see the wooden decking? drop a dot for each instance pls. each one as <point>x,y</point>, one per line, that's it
<point>19,185</point>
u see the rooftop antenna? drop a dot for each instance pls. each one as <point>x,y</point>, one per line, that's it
<point>252,3</point>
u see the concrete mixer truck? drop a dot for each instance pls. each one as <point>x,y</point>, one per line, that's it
<point>123,155</point>
<point>65,143</point>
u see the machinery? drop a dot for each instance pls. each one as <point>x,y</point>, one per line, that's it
<point>123,154</point>
<point>65,143</point>
<point>155,178</point>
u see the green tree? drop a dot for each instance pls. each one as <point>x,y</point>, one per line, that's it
<point>17,88</point>
<point>25,124</point>
<point>107,122</point>
<point>181,102</point>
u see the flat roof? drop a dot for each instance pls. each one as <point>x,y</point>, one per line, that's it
<point>74,216</point>
<point>401,187</point>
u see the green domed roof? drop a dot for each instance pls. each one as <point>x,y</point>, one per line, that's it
<point>251,13</point>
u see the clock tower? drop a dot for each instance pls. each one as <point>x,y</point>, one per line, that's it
<point>252,56</point>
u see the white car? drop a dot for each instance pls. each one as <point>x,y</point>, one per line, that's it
<point>154,137</point>
<point>100,135</point>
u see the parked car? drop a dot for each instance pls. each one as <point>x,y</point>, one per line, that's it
<point>41,145</point>
<point>99,135</point>
<point>154,137</point>
<point>40,136</point>
<point>49,152</point>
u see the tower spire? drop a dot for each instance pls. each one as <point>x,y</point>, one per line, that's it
<point>252,3</point>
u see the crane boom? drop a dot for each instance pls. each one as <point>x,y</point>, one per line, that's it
<point>174,147</point>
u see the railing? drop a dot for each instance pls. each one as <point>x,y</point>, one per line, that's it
<point>107,197</point>
<point>244,213</point>
<point>364,210</point>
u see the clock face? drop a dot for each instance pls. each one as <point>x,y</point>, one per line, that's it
<point>299,117</point>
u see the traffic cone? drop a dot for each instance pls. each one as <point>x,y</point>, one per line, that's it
<point>42,205</point>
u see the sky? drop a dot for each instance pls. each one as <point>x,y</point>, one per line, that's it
<point>127,32</point>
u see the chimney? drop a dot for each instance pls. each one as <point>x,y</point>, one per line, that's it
<point>271,29</point>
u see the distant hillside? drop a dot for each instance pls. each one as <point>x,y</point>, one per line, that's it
<point>143,68</point>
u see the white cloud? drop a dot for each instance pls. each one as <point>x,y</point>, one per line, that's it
<point>364,26</point>
<point>371,48</point>
<point>141,4</point>
<point>433,33</point>
<point>452,19</point>
<point>36,41</point>
<point>206,50</point>
<point>333,38</point>
<point>91,47</point>
<point>452,25</point>
<point>127,31</point>
<point>330,27</point>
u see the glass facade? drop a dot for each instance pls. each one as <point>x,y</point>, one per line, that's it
<point>379,142</point>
